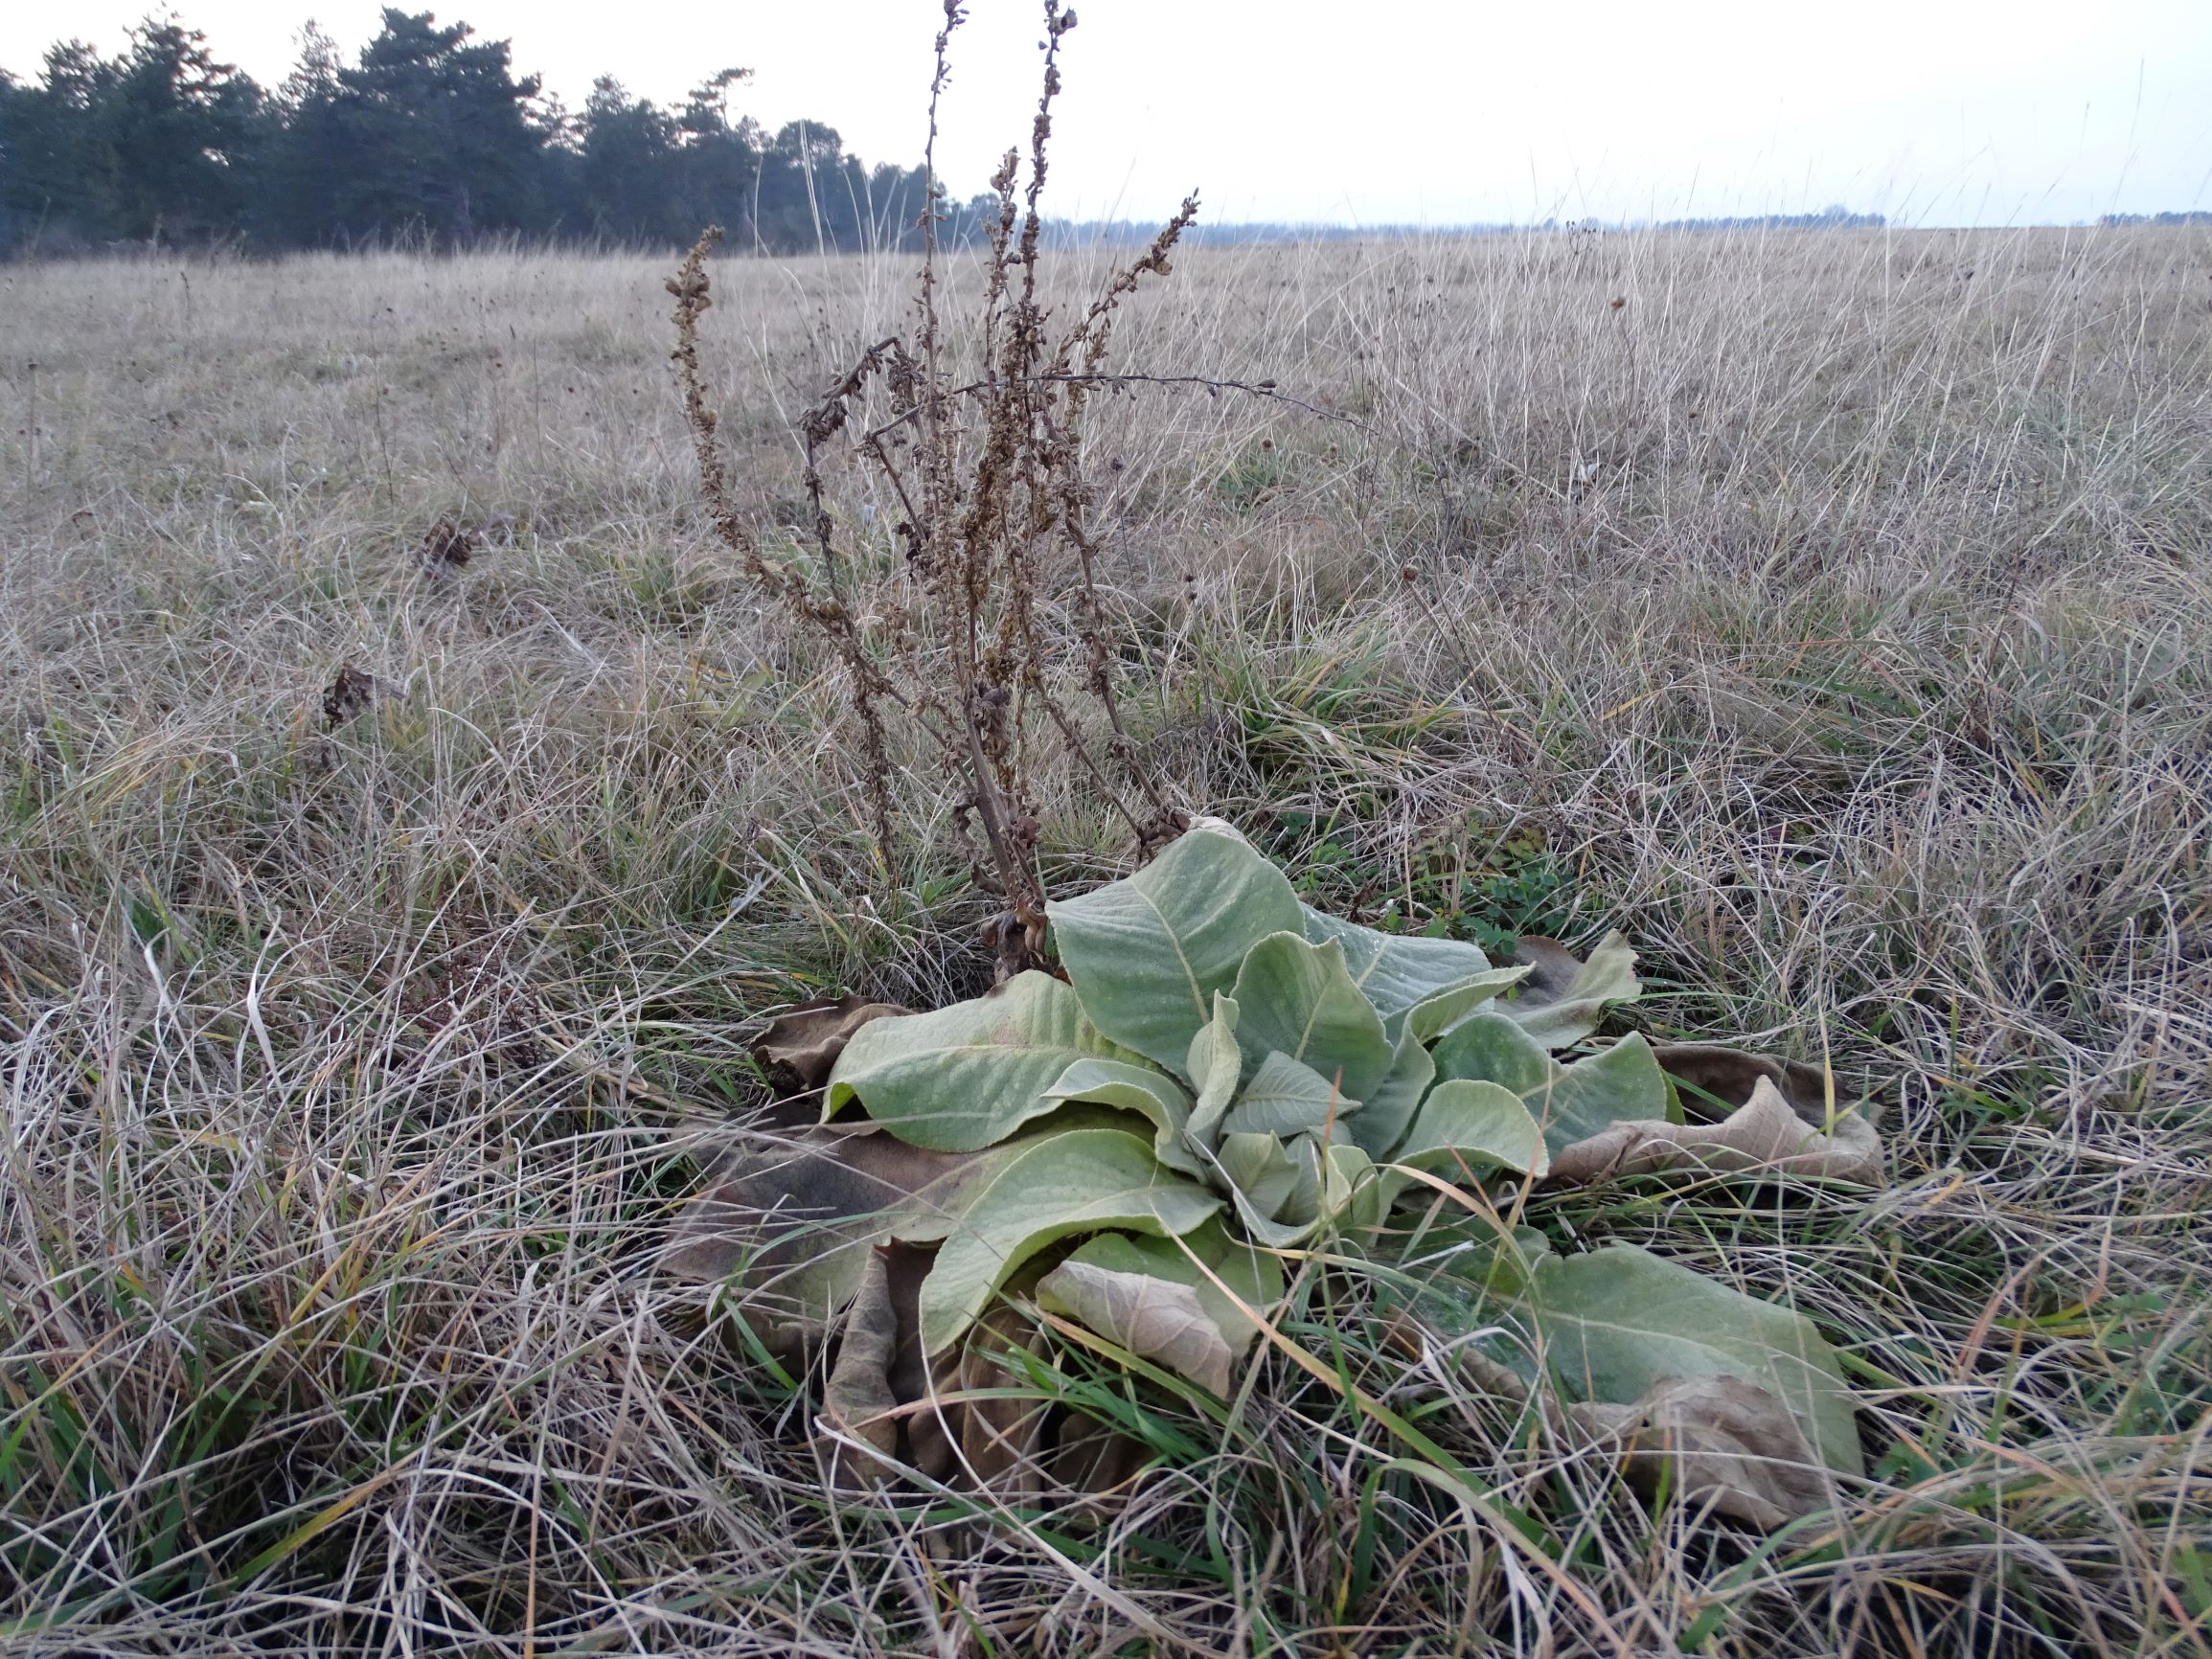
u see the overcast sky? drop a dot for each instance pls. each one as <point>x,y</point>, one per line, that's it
<point>1386,111</point>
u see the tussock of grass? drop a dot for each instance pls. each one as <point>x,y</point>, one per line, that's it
<point>1832,615</point>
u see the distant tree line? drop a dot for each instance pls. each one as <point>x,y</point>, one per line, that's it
<point>2195,216</point>
<point>427,138</point>
<point>1137,231</point>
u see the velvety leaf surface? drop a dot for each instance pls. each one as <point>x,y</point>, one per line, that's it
<point>1297,998</point>
<point>1134,1088</point>
<point>1388,1110</point>
<point>1147,954</point>
<point>1573,1102</point>
<point>1214,1066</point>
<point>1057,1184</point>
<point>1259,1168</point>
<point>1473,1124</point>
<point>1417,984</point>
<point>1285,1097</point>
<point>967,1075</point>
<point>1433,1017</point>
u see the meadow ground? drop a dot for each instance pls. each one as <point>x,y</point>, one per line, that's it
<point>1831,611</point>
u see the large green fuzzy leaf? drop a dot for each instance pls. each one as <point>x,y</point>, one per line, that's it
<point>1572,1103</point>
<point>1433,1016</point>
<point>1147,953</point>
<point>1259,1171</point>
<point>1337,1185</point>
<point>1297,998</point>
<point>1214,1066</point>
<point>1418,984</point>
<point>1285,1097</point>
<point>1134,1088</point>
<point>1613,1323</point>
<point>1383,1117</point>
<point>969,1075</point>
<point>1476,1126</point>
<point>1061,1184</point>
<point>1353,1194</point>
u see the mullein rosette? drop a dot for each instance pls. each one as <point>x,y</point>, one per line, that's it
<point>1228,1077</point>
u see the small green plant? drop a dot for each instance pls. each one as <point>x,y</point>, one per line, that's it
<point>1228,1077</point>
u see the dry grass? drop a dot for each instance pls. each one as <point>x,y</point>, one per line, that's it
<point>1833,613</point>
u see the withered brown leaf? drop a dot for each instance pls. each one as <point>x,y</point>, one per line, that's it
<point>798,1048</point>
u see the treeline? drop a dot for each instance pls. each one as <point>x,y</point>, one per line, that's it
<point>427,138</point>
<point>2194,216</point>
<point>1134,233</point>
<point>1836,218</point>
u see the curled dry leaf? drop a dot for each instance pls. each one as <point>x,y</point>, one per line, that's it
<point>799,1048</point>
<point>953,1420</point>
<point>1717,1441</point>
<point>799,1214</point>
<point>836,1217</point>
<point>859,1399</point>
<point>1001,1435</point>
<point>1551,968</point>
<point>1152,1318</point>
<point>1564,997</point>
<point>1767,1134</point>
<point>1719,1079</point>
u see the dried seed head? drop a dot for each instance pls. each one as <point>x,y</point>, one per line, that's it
<point>347,696</point>
<point>447,545</point>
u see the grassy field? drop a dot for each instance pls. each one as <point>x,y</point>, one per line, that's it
<point>1830,611</point>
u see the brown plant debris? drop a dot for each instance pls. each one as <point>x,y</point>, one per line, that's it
<point>448,545</point>
<point>789,1220</point>
<point>981,446</point>
<point>1147,1315</point>
<point>1762,1136</point>
<point>352,693</point>
<point>1721,1079</point>
<point>1749,1114</point>
<point>798,1048</point>
<point>858,1400</point>
<point>1716,1440</point>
